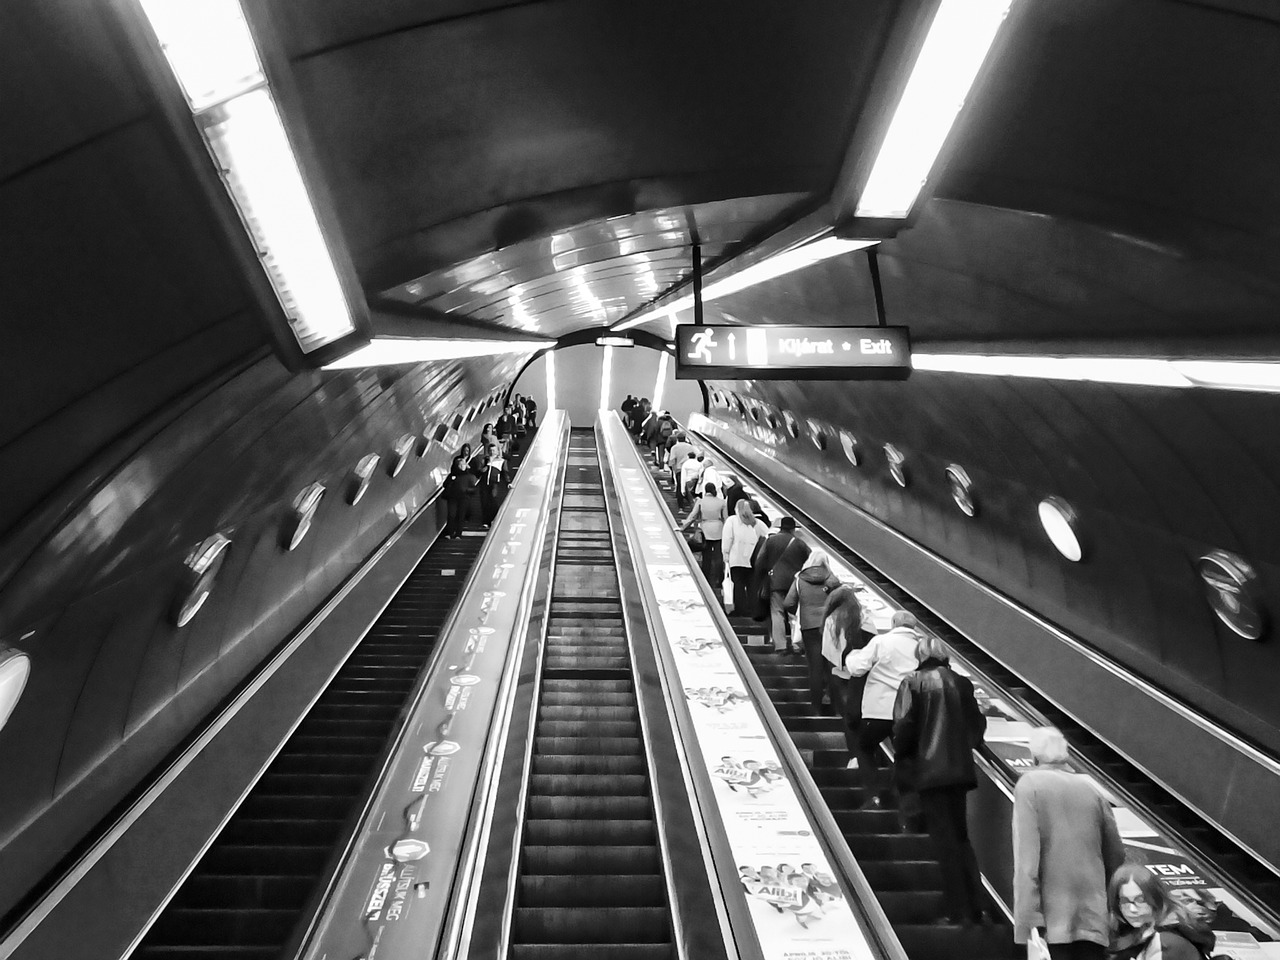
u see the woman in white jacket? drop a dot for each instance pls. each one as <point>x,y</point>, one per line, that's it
<point>885,661</point>
<point>741,533</point>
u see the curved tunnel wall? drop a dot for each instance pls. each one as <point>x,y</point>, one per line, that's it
<point>1158,477</point>
<point>87,584</point>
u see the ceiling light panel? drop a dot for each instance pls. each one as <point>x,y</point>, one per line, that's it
<point>388,351</point>
<point>209,48</point>
<point>1254,375</point>
<point>956,46</point>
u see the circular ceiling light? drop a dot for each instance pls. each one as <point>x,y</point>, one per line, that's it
<point>1230,586</point>
<point>1059,521</point>
<point>961,489</point>
<point>793,426</point>
<point>304,509</point>
<point>15,668</point>
<point>849,444</point>
<point>896,460</point>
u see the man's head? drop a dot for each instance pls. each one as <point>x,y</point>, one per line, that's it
<point>1199,903</point>
<point>787,523</point>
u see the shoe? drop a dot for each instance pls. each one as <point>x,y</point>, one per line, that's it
<point>852,764</point>
<point>871,803</point>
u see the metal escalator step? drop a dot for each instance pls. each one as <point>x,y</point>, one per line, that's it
<point>553,685</point>
<point>253,926</point>
<point>249,859</point>
<point>910,875</point>
<point>313,784</point>
<point>580,763</point>
<point>888,846</point>
<point>244,831</point>
<point>604,808</point>
<point>591,924</point>
<point>592,951</point>
<point>605,859</point>
<point>589,785</point>
<point>578,728</point>
<point>613,746</point>
<point>271,892</point>
<point>592,891</point>
<point>591,714</point>
<point>574,699</point>
<point>595,831</point>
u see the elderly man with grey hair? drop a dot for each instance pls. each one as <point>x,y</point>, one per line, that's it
<point>1065,848</point>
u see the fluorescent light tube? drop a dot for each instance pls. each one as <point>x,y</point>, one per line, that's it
<point>551,380</point>
<point>211,51</point>
<point>660,384</point>
<point>780,264</point>
<point>386,351</point>
<point>615,342</point>
<point>958,41</point>
<point>1256,375</point>
<point>606,374</point>
<point>209,48</point>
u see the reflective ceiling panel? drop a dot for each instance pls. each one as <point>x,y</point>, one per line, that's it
<point>596,273</point>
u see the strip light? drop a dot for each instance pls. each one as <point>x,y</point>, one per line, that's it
<point>551,379</point>
<point>957,44</point>
<point>211,52</point>
<point>660,385</point>
<point>1255,375</point>
<point>386,351</point>
<point>788,261</point>
<point>606,374</point>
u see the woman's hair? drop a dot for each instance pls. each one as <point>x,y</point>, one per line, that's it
<point>818,558</point>
<point>904,619</point>
<point>710,490</point>
<point>1164,909</point>
<point>929,647</point>
<point>1048,745</point>
<point>744,512</point>
<point>844,612</point>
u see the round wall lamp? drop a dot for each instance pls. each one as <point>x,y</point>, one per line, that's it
<point>15,669</point>
<point>200,570</point>
<point>1060,522</point>
<point>961,489</point>
<point>793,426</point>
<point>897,460</point>
<point>402,449</point>
<point>361,476</point>
<point>1231,587</point>
<point>817,434</point>
<point>304,509</point>
<point>849,444</point>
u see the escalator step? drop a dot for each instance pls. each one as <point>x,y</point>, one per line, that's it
<point>246,925</point>
<point>272,892</point>
<point>614,859</point>
<point>592,951</point>
<point>544,763</point>
<point>599,728</point>
<point>591,924</point>
<point>588,745</point>
<point>903,874</point>
<point>245,831</point>
<point>589,784</point>
<point>594,831</point>
<point>590,891</point>
<point>588,713</point>
<point>579,808</point>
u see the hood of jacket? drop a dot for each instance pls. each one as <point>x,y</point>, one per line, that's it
<point>816,574</point>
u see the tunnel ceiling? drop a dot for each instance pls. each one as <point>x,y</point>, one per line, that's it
<point>549,166</point>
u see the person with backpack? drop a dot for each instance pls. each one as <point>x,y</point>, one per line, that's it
<point>776,562</point>
<point>808,598</point>
<point>843,632</point>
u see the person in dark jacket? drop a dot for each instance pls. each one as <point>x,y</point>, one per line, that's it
<point>506,428</point>
<point>531,413</point>
<point>627,404</point>
<point>458,487</point>
<point>779,559</point>
<point>494,481</point>
<point>1147,923</point>
<point>936,726</point>
<point>843,632</point>
<point>808,598</point>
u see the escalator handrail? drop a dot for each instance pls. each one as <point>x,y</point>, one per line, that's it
<point>991,763</point>
<point>865,905</point>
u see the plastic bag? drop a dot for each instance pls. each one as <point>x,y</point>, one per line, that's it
<point>1037,949</point>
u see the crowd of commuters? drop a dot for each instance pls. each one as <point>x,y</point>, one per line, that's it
<point>1075,897</point>
<point>477,483</point>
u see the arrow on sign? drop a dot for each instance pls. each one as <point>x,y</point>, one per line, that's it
<point>733,353</point>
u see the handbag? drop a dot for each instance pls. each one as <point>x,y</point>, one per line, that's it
<point>696,540</point>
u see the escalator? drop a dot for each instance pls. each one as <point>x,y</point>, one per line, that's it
<point>591,882</point>
<point>247,894</point>
<point>900,864</point>
<point>1179,823</point>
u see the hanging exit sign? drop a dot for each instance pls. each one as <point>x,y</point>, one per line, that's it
<point>792,353</point>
